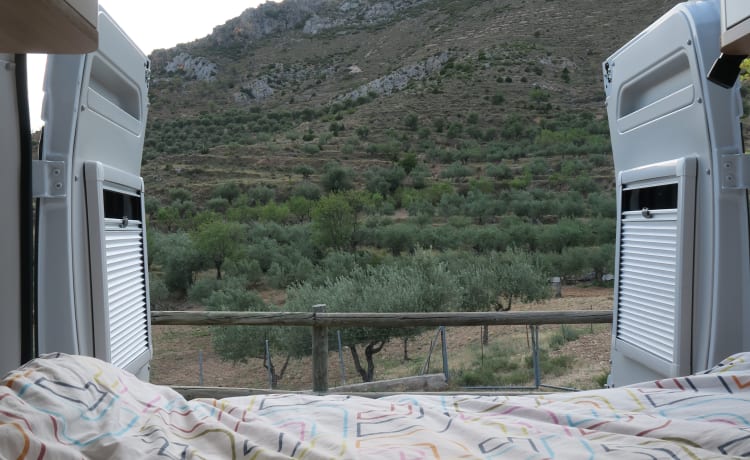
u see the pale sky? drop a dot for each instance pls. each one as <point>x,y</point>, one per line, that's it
<point>151,24</point>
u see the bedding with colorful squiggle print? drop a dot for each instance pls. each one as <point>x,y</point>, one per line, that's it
<point>61,406</point>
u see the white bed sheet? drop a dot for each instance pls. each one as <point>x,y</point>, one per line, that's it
<point>62,406</point>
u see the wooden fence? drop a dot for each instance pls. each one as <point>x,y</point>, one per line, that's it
<point>320,321</point>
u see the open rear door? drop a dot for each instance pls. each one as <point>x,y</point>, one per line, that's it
<point>93,281</point>
<point>682,277</point>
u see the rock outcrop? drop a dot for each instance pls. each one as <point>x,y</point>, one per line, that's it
<point>312,16</point>
<point>197,68</point>
<point>257,90</point>
<point>399,79</point>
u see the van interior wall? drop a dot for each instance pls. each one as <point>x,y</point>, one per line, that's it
<point>10,187</point>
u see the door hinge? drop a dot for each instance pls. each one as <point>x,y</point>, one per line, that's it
<point>735,172</point>
<point>48,179</point>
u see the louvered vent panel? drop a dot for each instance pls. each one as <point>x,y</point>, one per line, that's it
<point>648,280</point>
<point>126,292</point>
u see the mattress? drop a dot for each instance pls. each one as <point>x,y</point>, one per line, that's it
<point>61,406</point>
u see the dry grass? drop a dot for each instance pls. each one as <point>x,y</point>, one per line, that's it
<point>176,351</point>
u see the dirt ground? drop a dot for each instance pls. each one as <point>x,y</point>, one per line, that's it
<point>181,351</point>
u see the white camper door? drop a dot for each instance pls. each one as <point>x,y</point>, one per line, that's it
<point>682,263</point>
<point>93,291</point>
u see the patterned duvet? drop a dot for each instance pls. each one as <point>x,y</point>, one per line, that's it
<point>75,407</point>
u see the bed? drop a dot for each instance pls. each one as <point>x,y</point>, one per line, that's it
<point>62,406</point>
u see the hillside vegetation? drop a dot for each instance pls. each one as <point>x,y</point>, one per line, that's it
<point>391,156</point>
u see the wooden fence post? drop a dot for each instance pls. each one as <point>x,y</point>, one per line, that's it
<point>341,359</point>
<point>320,354</point>
<point>200,367</point>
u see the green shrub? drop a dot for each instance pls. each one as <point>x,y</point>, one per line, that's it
<point>158,292</point>
<point>551,366</point>
<point>334,222</point>
<point>362,132</point>
<point>521,181</point>
<point>304,170</point>
<point>242,267</point>
<point>311,149</point>
<point>397,238</point>
<point>300,207</point>
<point>475,132</point>
<point>438,124</point>
<point>152,205</point>
<point>336,178</point>
<point>411,122</point>
<point>227,190</point>
<point>424,133</point>
<point>202,289</point>
<point>336,128</point>
<point>238,343</point>
<point>408,162</point>
<point>502,367</point>
<point>179,194</point>
<point>260,195</point>
<point>289,271</point>
<point>218,205</point>
<point>566,334</point>
<point>419,176</point>
<point>334,265</point>
<point>537,167</point>
<point>454,130</point>
<point>179,261</point>
<point>602,379</point>
<point>497,369</point>
<point>384,181</point>
<point>539,95</point>
<point>306,190</point>
<point>499,171</point>
<point>457,170</point>
<point>274,212</point>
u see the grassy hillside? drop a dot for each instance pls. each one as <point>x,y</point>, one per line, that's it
<point>513,68</point>
<point>433,155</point>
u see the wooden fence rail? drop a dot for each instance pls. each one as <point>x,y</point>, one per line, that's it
<point>321,321</point>
<point>312,319</point>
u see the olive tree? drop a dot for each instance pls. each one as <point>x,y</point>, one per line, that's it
<point>493,281</point>
<point>216,240</point>
<point>520,277</point>
<point>237,343</point>
<point>334,221</point>
<point>416,283</point>
<point>175,256</point>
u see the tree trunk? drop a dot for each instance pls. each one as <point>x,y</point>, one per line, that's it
<point>406,349</point>
<point>357,365</point>
<point>277,377</point>
<point>500,307</point>
<point>268,364</point>
<point>372,349</point>
<point>218,269</point>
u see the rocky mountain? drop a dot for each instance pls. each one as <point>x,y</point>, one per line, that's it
<point>310,81</point>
